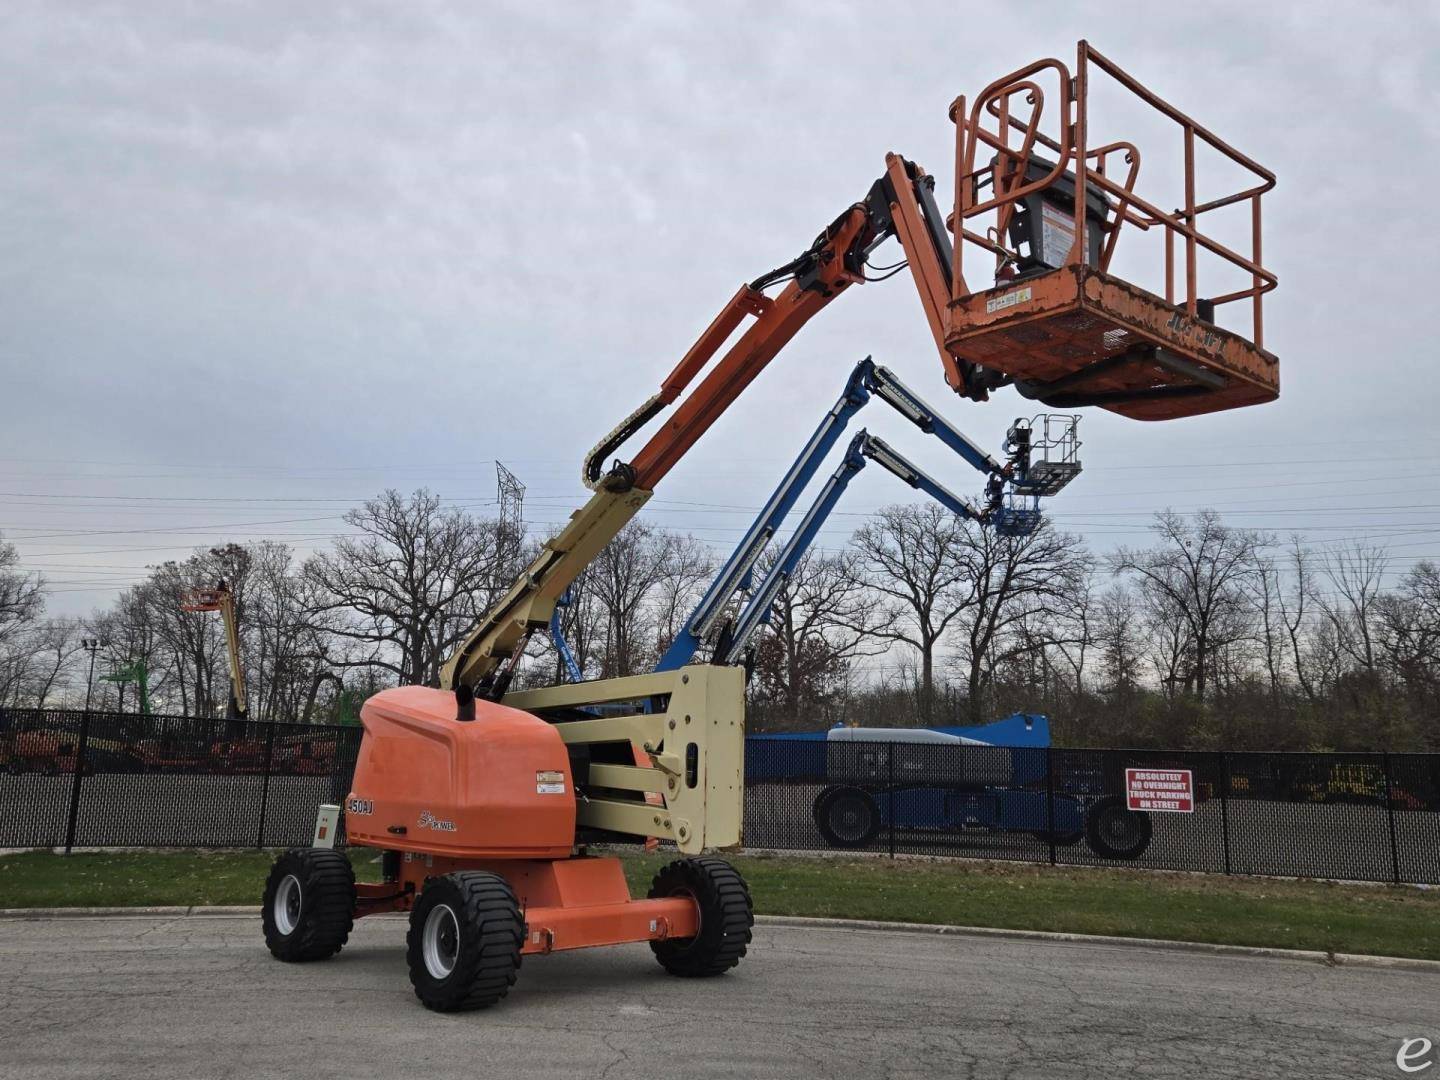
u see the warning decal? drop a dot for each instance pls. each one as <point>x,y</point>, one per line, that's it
<point>1009,300</point>
<point>1170,790</point>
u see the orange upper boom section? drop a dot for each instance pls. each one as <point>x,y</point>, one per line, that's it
<point>1047,316</point>
<point>1069,334</point>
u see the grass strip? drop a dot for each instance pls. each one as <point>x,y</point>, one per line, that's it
<point>1386,920</point>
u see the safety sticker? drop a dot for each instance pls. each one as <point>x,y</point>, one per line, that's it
<point>1057,235</point>
<point>1009,300</point>
<point>549,782</point>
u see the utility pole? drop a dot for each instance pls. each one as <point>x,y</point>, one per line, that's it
<point>92,646</point>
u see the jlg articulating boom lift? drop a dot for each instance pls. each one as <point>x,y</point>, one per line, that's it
<point>484,800</point>
<point>222,599</point>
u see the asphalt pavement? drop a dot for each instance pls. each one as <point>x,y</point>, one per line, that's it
<point>199,997</point>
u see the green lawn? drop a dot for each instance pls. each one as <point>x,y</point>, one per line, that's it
<point>1242,911</point>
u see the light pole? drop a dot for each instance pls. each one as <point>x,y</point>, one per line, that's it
<point>92,646</point>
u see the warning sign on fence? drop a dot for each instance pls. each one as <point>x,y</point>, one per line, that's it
<point>1160,789</point>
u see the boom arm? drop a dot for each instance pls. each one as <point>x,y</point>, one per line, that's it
<point>865,381</point>
<point>899,204</point>
<point>864,447</point>
<point>222,599</point>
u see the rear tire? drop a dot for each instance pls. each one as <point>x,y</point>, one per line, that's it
<point>464,943</point>
<point>847,817</point>
<point>1114,831</point>
<point>309,905</point>
<point>726,916</point>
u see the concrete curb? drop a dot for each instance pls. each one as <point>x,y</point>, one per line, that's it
<point>1306,955</point>
<point>1361,960</point>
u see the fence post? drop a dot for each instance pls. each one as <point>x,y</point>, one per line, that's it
<point>1050,799</point>
<point>1225,806</point>
<point>265,786</point>
<point>1390,812</point>
<point>80,746</point>
<point>890,797</point>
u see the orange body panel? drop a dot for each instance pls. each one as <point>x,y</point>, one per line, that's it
<point>496,787</point>
<point>576,903</point>
<point>1058,324</point>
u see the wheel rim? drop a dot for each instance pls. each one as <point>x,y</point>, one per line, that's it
<point>849,819</point>
<point>1120,828</point>
<point>286,908</point>
<point>441,940</point>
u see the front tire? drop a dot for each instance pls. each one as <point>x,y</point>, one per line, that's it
<point>847,817</point>
<point>1114,831</point>
<point>309,905</point>
<point>464,943</point>
<point>726,916</point>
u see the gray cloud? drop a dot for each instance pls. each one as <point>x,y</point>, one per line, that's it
<point>250,248</point>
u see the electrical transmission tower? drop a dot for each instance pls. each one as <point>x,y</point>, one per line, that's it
<point>510,493</point>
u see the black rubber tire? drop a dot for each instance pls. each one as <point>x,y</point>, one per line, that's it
<point>726,916</point>
<point>1114,831</point>
<point>490,933</point>
<point>326,905</point>
<point>847,817</point>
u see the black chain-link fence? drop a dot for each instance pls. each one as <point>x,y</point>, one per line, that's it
<point>113,780</point>
<point>1367,817</point>
<point>120,780</point>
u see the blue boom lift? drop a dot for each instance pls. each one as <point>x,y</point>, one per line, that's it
<point>1006,794</point>
<point>1034,468</point>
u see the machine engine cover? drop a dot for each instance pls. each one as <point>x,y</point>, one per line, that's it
<point>498,786</point>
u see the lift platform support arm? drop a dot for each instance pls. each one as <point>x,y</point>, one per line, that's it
<point>900,204</point>
<point>867,380</point>
<point>864,447</point>
<point>1056,323</point>
<point>222,599</point>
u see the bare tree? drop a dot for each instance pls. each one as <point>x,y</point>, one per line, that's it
<point>907,555</point>
<point>53,643</point>
<point>688,565</point>
<point>1118,640</point>
<point>1266,590</point>
<point>1294,604</point>
<point>22,595</point>
<point>821,621</point>
<point>1409,621</point>
<point>1196,573</point>
<point>412,583</point>
<point>1356,571</point>
<point>1008,581</point>
<point>642,580</point>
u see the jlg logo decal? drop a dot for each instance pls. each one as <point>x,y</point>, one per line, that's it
<point>430,821</point>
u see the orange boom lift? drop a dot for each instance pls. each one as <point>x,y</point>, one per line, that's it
<point>485,800</point>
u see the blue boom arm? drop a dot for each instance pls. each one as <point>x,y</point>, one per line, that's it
<point>573,670</point>
<point>864,447</point>
<point>865,381</point>
<point>1012,512</point>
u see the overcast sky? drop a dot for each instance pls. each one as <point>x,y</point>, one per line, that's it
<point>262,260</point>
